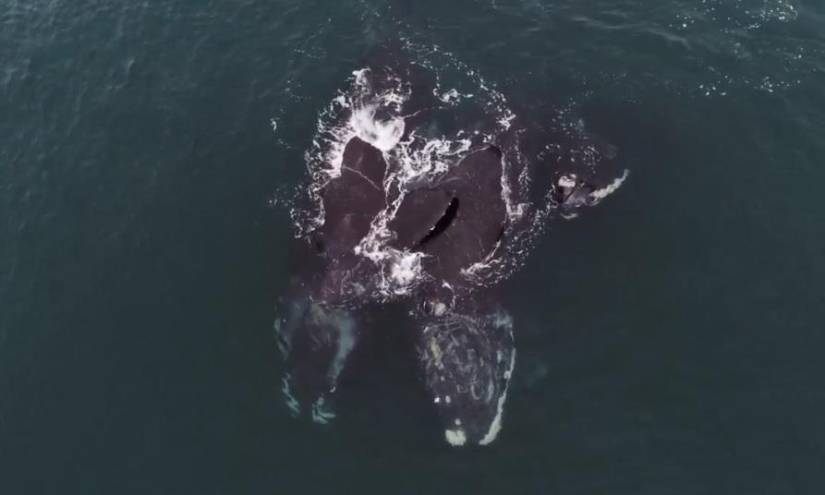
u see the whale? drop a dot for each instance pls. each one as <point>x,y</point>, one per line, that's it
<point>435,235</point>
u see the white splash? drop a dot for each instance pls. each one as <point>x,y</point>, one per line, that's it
<point>567,181</point>
<point>506,121</point>
<point>405,269</point>
<point>383,134</point>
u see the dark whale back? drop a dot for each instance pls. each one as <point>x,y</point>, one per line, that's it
<point>353,199</point>
<point>458,221</point>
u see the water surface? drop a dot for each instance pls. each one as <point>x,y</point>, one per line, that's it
<point>669,340</point>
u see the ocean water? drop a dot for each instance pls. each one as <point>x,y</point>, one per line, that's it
<point>669,340</point>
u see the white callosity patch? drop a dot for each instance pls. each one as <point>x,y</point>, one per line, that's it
<point>399,270</point>
<point>421,159</point>
<point>406,269</point>
<point>455,437</point>
<point>567,181</point>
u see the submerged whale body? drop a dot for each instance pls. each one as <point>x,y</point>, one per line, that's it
<point>398,214</point>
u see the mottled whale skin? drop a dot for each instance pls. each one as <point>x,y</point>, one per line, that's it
<point>464,338</point>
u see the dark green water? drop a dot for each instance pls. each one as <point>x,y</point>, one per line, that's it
<point>670,340</point>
